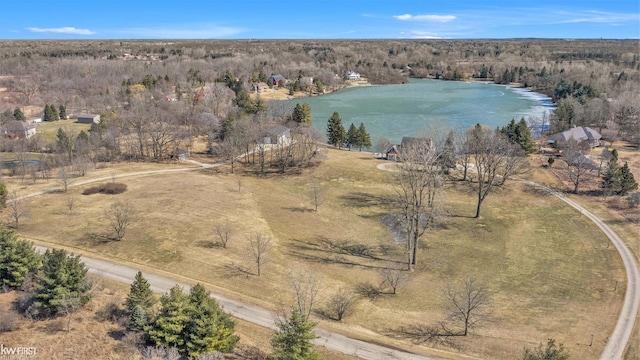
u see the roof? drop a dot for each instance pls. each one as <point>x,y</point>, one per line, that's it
<point>277,77</point>
<point>15,126</point>
<point>277,130</point>
<point>92,116</point>
<point>577,133</point>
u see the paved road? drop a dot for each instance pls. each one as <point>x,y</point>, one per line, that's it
<point>624,328</point>
<point>614,349</point>
<point>250,313</point>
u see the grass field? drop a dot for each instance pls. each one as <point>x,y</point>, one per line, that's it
<point>551,272</point>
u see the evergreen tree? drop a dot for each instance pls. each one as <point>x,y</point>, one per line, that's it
<point>140,294</point>
<point>293,339</point>
<point>524,137</point>
<point>138,319</point>
<point>3,194</point>
<point>611,177</point>
<point>336,133</point>
<point>297,114</point>
<point>168,329</point>
<point>18,258</point>
<point>448,157</point>
<point>352,137</point>
<point>62,277</point>
<point>62,112</point>
<point>54,113</point>
<point>627,181</point>
<point>194,324</point>
<point>364,140</point>
<point>46,113</point>
<point>306,112</point>
<point>19,115</point>
<point>210,329</point>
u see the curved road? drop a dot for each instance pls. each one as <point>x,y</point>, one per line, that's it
<point>624,328</point>
<point>614,349</point>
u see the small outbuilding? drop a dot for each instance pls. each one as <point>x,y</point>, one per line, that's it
<point>89,119</point>
<point>277,134</point>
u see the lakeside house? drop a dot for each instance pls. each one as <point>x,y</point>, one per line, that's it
<point>352,75</point>
<point>581,133</point>
<point>88,119</point>
<point>277,80</point>
<point>394,152</point>
<point>277,134</point>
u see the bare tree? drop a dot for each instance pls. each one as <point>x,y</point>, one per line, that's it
<point>317,195</point>
<point>306,286</point>
<point>469,304</point>
<point>259,245</point>
<point>70,204</point>
<point>419,192</point>
<point>64,178</point>
<point>120,215</point>
<point>393,278</point>
<point>229,149</point>
<point>17,205</point>
<point>578,168</point>
<point>341,303</point>
<point>224,231</point>
<point>495,159</point>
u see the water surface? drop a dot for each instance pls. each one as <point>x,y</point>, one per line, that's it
<point>394,111</point>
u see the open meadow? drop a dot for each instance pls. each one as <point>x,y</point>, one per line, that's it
<point>550,272</point>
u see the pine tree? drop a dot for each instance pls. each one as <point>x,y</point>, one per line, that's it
<point>18,114</point>
<point>352,137</point>
<point>54,113</point>
<point>3,194</point>
<point>364,140</point>
<point>627,181</point>
<point>524,137</point>
<point>336,133</point>
<point>62,112</point>
<point>18,258</point>
<point>293,339</point>
<point>448,157</point>
<point>210,328</point>
<point>194,324</point>
<point>168,329</point>
<point>140,294</point>
<point>46,113</point>
<point>62,277</point>
<point>306,112</point>
<point>611,177</point>
<point>138,319</point>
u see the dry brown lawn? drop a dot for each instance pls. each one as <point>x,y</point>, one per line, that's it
<point>551,272</point>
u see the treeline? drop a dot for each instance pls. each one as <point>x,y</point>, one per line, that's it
<point>592,81</point>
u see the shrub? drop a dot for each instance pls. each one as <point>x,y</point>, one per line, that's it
<point>111,188</point>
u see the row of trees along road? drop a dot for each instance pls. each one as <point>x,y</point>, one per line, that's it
<point>354,137</point>
<point>484,154</point>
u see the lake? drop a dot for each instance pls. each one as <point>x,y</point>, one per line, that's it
<point>394,111</point>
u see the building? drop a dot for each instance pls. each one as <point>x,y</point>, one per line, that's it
<point>15,129</point>
<point>277,134</point>
<point>88,119</point>
<point>260,87</point>
<point>277,80</point>
<point>581,133</point>
<point>352,75</point>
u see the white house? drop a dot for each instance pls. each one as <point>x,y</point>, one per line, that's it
<point>352,75</point>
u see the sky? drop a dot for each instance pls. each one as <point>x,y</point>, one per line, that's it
<point>315,19</point>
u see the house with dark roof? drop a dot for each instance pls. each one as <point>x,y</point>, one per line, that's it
<point>581,133</point>
<point>394,152</point>
<point>88,119</point>
<point>15,129</point>
<point>277,80</point>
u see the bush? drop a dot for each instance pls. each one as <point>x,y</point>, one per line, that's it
<point>634,200</point>
<point>9,322</point>
<point>111,188</point>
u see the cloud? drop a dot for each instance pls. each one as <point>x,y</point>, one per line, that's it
<point>62,30</point>
<point>204,32</point>
<point>426,18</point>
<point>597,17</point>
<point>417,34</point>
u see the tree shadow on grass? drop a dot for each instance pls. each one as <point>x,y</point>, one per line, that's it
<point>234,270</point>
<point>424,334</point>
<point>299,209</point>
<point>344,252</point>
<point>208,244</point>
<point>96,239</point>
<point>362,199</point>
